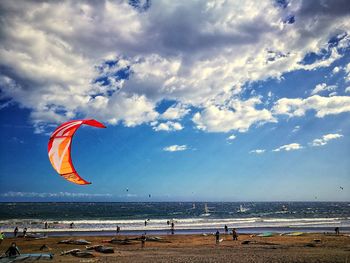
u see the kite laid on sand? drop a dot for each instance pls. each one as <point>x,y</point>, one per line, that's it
<point>59,149</point>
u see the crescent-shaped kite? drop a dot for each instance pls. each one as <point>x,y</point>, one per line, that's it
<point>59,149</point>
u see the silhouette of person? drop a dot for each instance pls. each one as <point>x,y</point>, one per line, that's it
<point>217,237</point>
<point>12,250</point>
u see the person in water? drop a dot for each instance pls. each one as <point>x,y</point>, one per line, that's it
<point>217,237</point>
<point>234,234</point>
<point>24,232</point>
<point>15,232</point>
<point>118,229</point>
<point>46,225</point>
<point>226,229</point>
<point>71,225</point>
<point>13,250</point>
<point>145,222</point>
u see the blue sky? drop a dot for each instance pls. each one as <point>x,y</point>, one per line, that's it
<point>228,103</point>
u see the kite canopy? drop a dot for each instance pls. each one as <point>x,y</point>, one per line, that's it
<point>59,149</point>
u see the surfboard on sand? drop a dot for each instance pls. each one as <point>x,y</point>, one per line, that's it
<point>266,234</point>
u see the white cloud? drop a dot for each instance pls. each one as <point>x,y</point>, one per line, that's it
<point>258,151</point>
<point>168,126</point>
<point>48,195</point>
<point>175,148</point>
<point>347,90</point>
<point>288,147</point>
<point>231,137</point>
<point>336,70</point>
<point>323,87</point>
<point>321,105</point>
<point>296,128</point>
<point>325,139</point>
<point>197,53</point>
<point>175,112</point>
<point>235,115</point>
<point>347,71</point>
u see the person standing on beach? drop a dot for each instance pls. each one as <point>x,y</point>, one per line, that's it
<point>46,225</point>
<point>71,225</point>
<point>15,232</point>
<point>172,228</point>
<point>145,222</point>
<point>143,240</point>
<point>234,234</point>
<point>13,250</point>
<point>118,229</point>
<point>217,237</point>
<point>337,231</point>
<point>24,232</point>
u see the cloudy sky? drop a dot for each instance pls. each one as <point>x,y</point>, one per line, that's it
<point>203,100</point>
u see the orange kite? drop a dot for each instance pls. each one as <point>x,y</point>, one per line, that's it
<point>59,149</point>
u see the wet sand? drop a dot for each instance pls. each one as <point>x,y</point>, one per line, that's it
<point>199,248</point>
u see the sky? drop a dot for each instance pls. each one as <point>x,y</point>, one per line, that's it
<point>203,100</point>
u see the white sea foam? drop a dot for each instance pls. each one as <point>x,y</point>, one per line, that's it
<point>180,223</point>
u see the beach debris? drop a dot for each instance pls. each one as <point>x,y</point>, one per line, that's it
<point>84,254</point>
<point>310,245</point>
<point>59,149</point>
<point>317,240</point>
<point>101,249</point>
<point>44,247</point>
<point>74,242</point>
<point>246,242</point>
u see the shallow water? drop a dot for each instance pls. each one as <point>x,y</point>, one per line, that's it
<point>188,217</point>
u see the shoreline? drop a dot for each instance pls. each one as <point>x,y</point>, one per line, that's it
<point>164,232</point>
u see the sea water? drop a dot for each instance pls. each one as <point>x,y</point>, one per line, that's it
<point>188,217</point>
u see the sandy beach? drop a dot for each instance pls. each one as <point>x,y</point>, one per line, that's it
<point>200,248</point>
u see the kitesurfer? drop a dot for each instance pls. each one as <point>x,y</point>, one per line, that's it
<point>118,229</point>
<point>13,250</point>
<point>217,237</point>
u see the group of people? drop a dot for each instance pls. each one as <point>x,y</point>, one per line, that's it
<point>234,234</point>
<point>15,232</point>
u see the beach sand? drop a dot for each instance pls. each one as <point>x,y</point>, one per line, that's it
<point>199,248</point>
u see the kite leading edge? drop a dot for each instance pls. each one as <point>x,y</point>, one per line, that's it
<point>59,149</point>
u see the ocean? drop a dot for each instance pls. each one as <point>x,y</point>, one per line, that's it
<point>188,217</point>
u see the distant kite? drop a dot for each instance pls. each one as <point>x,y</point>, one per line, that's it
<point>59,149</point>
<point>341,187</point>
